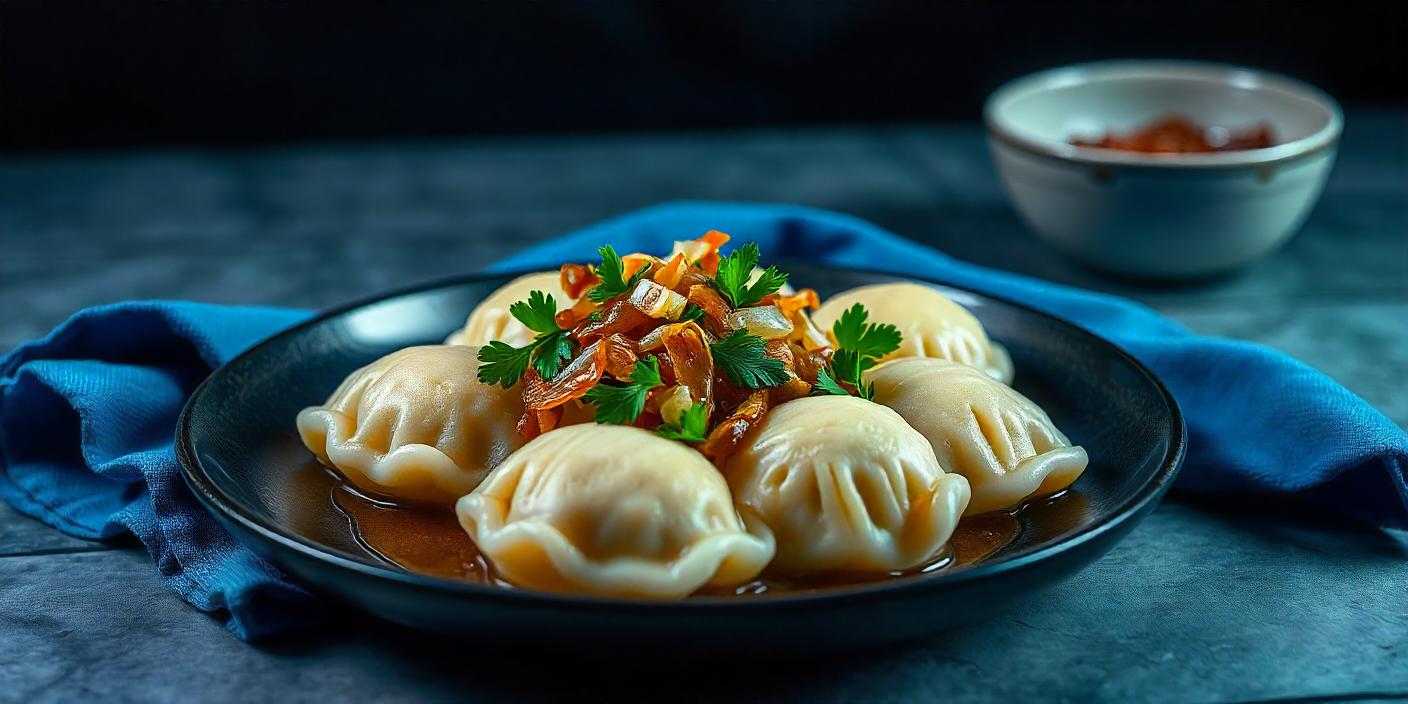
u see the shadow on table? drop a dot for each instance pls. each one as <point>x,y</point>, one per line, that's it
<point>438,664</point>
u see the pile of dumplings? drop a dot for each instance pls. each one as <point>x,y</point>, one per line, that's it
<point>823,485</point>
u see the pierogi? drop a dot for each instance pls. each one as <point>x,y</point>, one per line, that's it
<point>846,486</point>
<point>613,511</point>
<point>415,424</point>
<point>932,325</point>
<point>1005,445</point>
<point>491,320</point>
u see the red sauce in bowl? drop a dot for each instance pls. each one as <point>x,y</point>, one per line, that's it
<point>1175,134</point>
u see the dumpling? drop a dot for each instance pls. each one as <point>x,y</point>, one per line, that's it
<point>932,325</point>
<point>490,320</point>
<point>612,510</point>
<point>416,424</point>
<point>845,485</point>
<point>1003,443</point>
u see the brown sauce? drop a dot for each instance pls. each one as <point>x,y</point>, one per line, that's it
<point>428,540</point>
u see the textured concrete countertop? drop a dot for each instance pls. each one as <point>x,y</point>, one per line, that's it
<point>1203,602</point>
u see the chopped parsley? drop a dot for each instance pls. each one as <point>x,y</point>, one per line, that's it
<point>621,405</point>
<point>859,345</point>
<point>503,364</point>
<point>612,273</point>
<point>740,357</point>
<point>826,385</point>
<point>691,312</point>
<point>734,272</point>
<point>693,425</point>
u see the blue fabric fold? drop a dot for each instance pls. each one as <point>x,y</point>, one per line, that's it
<point>87,414</point>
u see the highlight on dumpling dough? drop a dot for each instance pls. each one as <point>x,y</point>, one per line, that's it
<point>1005,445</point>
<point>846,485</point>
<point>415,424</point>
<point>932,325</point>
<point>491,320</point>
<point>613,511</point>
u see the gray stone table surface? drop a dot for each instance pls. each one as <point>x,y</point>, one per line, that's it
<point>1232,600</point>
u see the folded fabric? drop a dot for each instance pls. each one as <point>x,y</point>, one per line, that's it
<point>87,414</point>
<point>87,426</point>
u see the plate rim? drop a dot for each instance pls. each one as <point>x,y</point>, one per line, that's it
<point>225,508</point>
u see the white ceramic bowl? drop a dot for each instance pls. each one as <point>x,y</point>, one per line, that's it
<point>1161,215</point>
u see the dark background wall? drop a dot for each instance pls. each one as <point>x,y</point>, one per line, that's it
<point>106,74</point>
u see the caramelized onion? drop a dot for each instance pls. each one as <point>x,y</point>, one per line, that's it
<point>766,322</point>
<point>806,364</point>
<point>631,263</point>
<point>690,279</point>
<point>621,356</point>
<point>673,403</point>
<point>691,360</point>
<point>801,300</point>
<point>806,333</point>
<point>728,436</point>
<point>619,317</point>
<point>716,311</point>
<point>657,301</point>
<point>580,375</point>
<point>710,262</point>
<point>535,422</point>
<point>669,275</point>
<point>576,279</point>
<point>696,250</point>
<point>569,318</point>
<point>667,368</point>
<point>794,387</point>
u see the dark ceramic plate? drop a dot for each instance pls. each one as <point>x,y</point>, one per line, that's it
<point>242,457</point>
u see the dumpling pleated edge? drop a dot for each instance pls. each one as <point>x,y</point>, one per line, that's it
<point>403,472</point>
<point>723,559</point>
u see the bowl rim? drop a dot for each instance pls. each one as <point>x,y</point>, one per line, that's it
<point>1227,74</point>
<point>232,510</point>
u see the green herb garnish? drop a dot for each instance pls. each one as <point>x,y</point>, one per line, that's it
<point>734,272</point>
<point>621,405</point>
<point>503,364</point>
<point>612,273</point>
<point>859,346</point>
<point>740,356</point>
<point>693,425</point>
<point>826,385</point>
<point>691,312</point>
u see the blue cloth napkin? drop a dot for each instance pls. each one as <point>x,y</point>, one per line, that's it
<point>87,414</point>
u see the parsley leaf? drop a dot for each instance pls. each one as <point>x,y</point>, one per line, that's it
<point>503,364</point>
<point>646,373</point>
<point>859,346</point>
<point>612,273</point>
<point>826,385</point>
<point>734,272</point>
<point>623,404</point>
<point>740,357</point>
<point>693,425</point>
<point>873,340</point>
<point>538,313</point>
<point>552,349</point>
<point>691,312</point>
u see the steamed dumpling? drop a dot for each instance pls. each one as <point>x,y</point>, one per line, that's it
<point>846,485</point>
<point>932,325</point>
<point>490,320</point>
<point>416,424</point>
<point>1003,443</point>
<point>612,510</point>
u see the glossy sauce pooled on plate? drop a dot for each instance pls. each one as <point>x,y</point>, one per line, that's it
<point>428,540</point>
